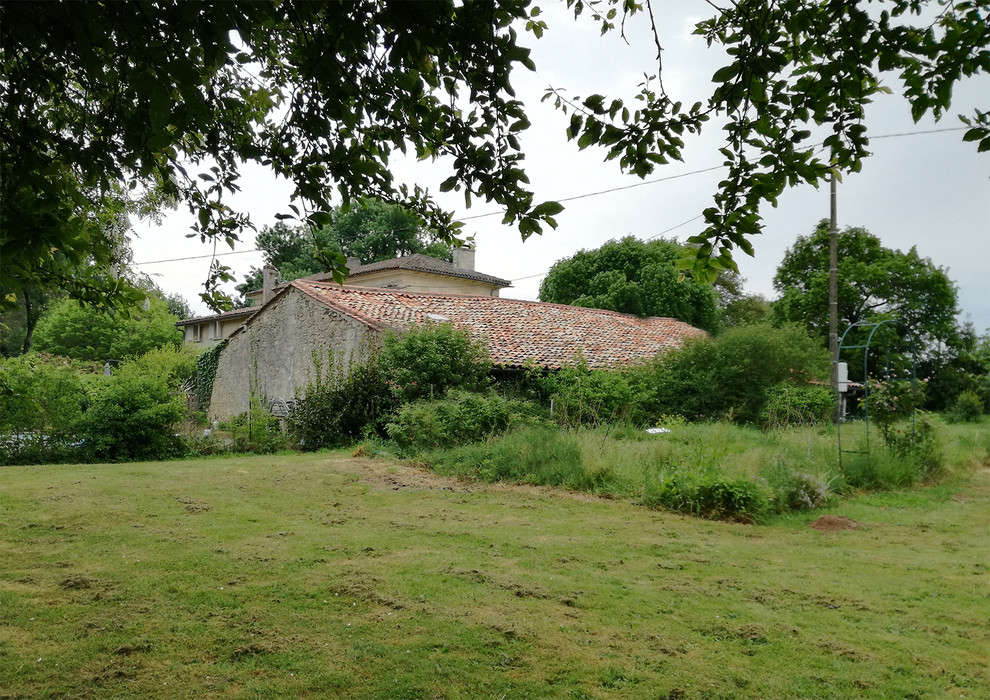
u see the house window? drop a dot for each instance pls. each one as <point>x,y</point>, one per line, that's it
<point>216,331</point>
<point>197,332</point>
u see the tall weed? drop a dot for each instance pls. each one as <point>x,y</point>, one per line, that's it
<point>544,456</point>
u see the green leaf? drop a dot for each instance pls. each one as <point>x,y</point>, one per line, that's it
<point>725,74</point>
<point>547,209</point>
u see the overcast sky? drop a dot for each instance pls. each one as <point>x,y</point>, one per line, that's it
<point>928,190</point>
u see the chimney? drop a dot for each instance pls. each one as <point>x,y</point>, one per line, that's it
<point>269,278</point>
<point>464,258</point>
<point>352,264</point>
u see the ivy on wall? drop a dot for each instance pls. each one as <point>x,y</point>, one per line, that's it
<point>206,372</point>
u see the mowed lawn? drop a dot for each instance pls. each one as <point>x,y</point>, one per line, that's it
<point>329,576</point>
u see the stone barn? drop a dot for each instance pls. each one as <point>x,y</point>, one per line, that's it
<point>272,354</point>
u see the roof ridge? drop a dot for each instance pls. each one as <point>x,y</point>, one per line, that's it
<point>302,285</point>
<point>414,293</point>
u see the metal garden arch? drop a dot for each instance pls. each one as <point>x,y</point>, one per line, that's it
<point>873,327</point>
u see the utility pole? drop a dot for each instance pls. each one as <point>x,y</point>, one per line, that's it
<point>833,297</point>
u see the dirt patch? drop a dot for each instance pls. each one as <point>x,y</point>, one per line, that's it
<point>396,476</point>
<point>78,583</point>
<point>386,474</point>
<point>834,523</point>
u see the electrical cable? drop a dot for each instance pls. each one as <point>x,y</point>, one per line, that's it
<point>583,196</point>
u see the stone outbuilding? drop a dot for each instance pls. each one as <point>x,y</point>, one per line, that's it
<point>273,353</point>
<point>413,273</point>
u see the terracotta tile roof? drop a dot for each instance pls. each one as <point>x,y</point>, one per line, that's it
<point>418,262</point>
<point>516,331</point>
<point>233,313</point>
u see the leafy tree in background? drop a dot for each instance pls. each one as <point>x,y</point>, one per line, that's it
<point>374,230</point>
<point>177,305</point>
<point>102,100</point>
<point>633,277</point>
<point>728,377</point>
<point>959,368</point>
<point>875,283</point>
<point>735,306</point>
<point>87,333</point>
<point>370,230</point>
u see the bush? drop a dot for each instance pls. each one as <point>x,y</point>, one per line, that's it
<point>460,418</point>
<point>579,396</point>
<point>920,446</point>
<point>257,431</point>
<point>709,494</point>
<point>789,405</point>
<point>911,454</point>
<point>426,362</point>
<point>727,377</point>
<point>967,409</point>
<point>40,393</point>
<point>799,491</point>
<point>132,417</point>
<point>543,456</point>
<point>340,409</point>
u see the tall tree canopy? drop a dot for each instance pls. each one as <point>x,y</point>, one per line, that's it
<point>371,230</point>
<point>875,283</point>
<point>102,101</point>
<point>84,332</point>
<point>633,277</point>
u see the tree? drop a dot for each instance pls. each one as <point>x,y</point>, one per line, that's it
<point>875,283</point>
<point>82,332</point>
<point>370,230</point>
<point>729,376</point>
<point>633,277</point>
<point>374,230</point>
<point>110,100</point>
<point>735,306</point>
<point>963,366</point>
<point>104,98</point>
<point>800,76</point>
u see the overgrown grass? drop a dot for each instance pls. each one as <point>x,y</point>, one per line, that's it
<point>293,576</point>
<point>719,470</point>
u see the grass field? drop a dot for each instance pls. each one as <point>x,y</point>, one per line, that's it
<point>329,576</point>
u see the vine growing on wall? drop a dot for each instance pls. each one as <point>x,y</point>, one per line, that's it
<point>206,372</point>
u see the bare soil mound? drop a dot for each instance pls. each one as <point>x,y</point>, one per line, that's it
<point>834,523</point>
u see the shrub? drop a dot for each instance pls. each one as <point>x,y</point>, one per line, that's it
<point>579,396</point>
<point>799,491</point>
<point>920,446</point>
<point>257,431</point>
<point>427,361</point>
<point>789,405</point>
<point>40,393</point>
<point>967,409</point>
<point>709,494</point>
<point>892,400</point>
<point>42,399</point>
<point>460,418</point>
<point>132,417</point>
<point>339,409</point>
<point>543,456</point>
<point>727,377</point>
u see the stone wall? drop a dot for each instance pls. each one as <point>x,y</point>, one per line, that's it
<point>273,354</point>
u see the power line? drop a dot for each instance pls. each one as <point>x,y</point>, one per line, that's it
<point>676,226</point>
<point>918,133</point>
<point>608,191</point>
<point>198,257</point>
<point>584,196</point>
